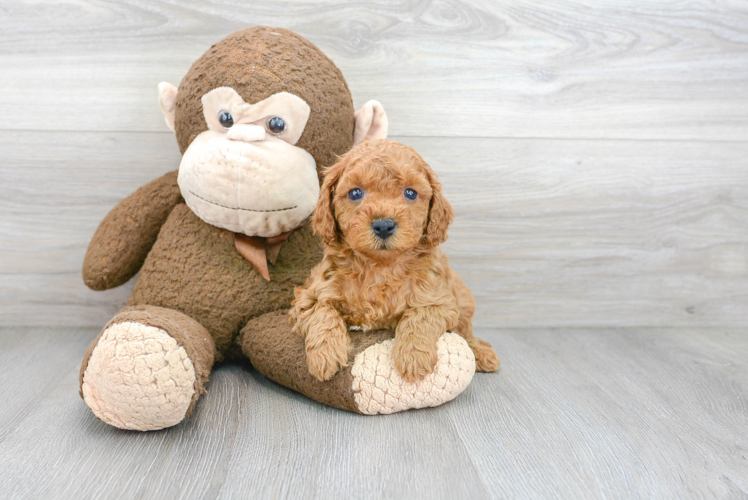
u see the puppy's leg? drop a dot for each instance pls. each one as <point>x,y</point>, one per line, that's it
<point>486,359</point>
<point>327,342</point>
<point>415,351</point>
<point>323,329</point>
<point>321,326</point>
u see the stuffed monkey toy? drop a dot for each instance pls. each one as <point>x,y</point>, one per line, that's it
<point>221,243</point>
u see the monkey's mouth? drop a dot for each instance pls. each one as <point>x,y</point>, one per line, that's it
<point>240,208</point>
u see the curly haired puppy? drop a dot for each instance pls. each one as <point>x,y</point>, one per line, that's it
<point>382,215</point>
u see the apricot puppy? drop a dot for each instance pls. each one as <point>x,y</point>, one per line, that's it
<point>382,215</point>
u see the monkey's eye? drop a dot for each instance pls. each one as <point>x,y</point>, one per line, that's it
<point>276,125</point>
<point>410,194</point>
<point>226,119</point>
<point>355,194</point>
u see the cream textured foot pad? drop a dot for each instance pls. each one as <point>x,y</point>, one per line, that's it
<point>138,378</point>
<point>380,389</point>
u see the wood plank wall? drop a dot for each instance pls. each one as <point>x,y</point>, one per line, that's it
<point>596,152</point>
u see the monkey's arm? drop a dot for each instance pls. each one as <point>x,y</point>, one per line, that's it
<point>127,233</point>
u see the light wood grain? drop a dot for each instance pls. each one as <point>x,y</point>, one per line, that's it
<point>603,69</point>
<point>596,154</point>
<point>548,232</point>
<point>623,413</point>
<point>583,413</point>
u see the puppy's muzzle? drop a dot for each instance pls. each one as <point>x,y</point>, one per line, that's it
<point>384,228</point>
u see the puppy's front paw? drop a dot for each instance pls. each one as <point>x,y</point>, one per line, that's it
<point>325,358</point>
<point>486,359</point>
<point>414,358</point>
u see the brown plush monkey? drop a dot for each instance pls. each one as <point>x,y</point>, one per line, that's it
<point>256,118</point>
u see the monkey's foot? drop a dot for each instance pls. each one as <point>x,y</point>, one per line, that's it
<point>379,388</point>
<point>137,376</point>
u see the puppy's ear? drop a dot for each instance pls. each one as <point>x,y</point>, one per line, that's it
<point>323,220</point>
<point>440,213</point>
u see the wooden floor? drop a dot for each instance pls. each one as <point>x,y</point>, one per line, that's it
<point>596,155</point>
<point>574,413</point>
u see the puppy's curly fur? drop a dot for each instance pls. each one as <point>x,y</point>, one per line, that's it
<point>402,281</point>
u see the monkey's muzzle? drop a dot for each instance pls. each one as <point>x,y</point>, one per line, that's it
<point>246,184</point>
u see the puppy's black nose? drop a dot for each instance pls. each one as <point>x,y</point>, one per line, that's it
<point>384,227</point>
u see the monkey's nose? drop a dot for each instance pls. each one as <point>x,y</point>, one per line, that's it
<point>246,133</point>
<point>384,228</point>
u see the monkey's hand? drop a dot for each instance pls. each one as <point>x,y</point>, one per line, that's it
<point>125,236</point>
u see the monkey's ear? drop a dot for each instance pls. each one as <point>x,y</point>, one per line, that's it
<point>167,101</point>
<point>440,214</point>
<point>323,220</point>
<point>371,123</point>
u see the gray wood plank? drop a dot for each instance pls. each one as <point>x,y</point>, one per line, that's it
<point>250,438</point>
<point>548,232</point>
<point>622,413</point>
<point>28,376</point>
<point>603,69</point>
<point>573,413</point>
<point>588,231</point>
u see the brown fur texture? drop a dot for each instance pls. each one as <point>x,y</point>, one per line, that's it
<point>195,268</point>
<point>402,282</point>
<point>122,241</point>
<point>258,63</point>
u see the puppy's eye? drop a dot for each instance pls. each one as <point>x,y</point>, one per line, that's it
<point>355,194</point>
<point>276,125</point>
<point>226,119</point>
<point>410,194</point>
